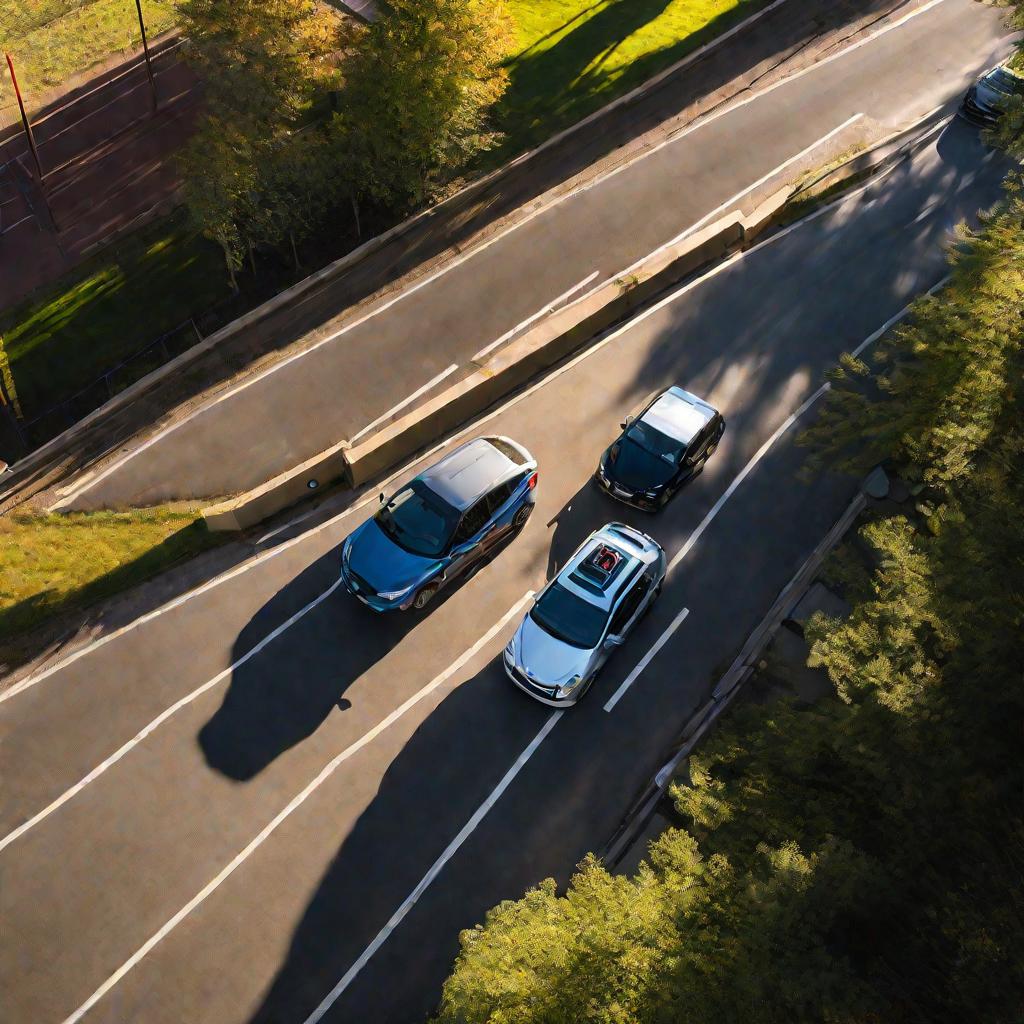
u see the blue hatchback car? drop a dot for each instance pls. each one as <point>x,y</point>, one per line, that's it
<point>440,525</point>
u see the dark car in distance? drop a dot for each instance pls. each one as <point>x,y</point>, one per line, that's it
<point>661,449</point>
<point>441,525</point>
<point>984,101</point>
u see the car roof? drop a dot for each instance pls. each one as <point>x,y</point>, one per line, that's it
<point>584,574</point>
<point>678,414</point>
<point>468,473</point>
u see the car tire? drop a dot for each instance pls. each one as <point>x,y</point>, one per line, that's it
<point>520,519</point>
<point>424,596</point>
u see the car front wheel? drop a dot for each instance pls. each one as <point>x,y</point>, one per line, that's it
<point>424,597</point>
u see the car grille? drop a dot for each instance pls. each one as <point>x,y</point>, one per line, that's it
<point>530,684</point>
<point>975,113</point>
<point>360,585</point>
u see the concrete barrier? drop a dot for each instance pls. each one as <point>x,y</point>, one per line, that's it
<point>538,349</point>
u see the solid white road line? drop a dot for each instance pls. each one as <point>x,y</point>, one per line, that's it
<point>406,401</point>
<point>163,717</point>
<point>742,475</point>
<point>470,253</point>
<point>435,869</point>
<point>646,659</point>
<point>295,803</point>
<point>536,316</point>
<point>729,107</point>
<point>253,563</point>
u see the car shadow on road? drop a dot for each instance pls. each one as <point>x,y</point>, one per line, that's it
<point>278,699</point>
<point>586,511</point>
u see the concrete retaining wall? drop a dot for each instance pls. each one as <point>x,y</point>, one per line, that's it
<point>540,348</point>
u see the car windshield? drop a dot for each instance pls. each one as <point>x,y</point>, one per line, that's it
<point>569,618</point>
<point>655,442</point>
<point>418,520</point>
<point>1005,82</point>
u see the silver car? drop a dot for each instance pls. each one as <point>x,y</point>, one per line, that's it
<point>584,613</point>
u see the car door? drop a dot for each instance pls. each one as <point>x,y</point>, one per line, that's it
<point>468,542</point>
<point>496,508</point>
<point>702,446</point>
<point>625,615</point>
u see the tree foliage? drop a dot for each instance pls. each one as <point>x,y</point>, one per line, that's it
<point>418,88</point>
<point>254,173</point>
<point>860,860</point>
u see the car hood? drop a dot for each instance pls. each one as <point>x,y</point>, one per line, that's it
<point>549,661</point>
<point>636,468</point>
<point>382,563</point>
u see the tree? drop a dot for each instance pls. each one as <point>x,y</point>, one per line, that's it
<point>418,86</point>
<point>249,169</point>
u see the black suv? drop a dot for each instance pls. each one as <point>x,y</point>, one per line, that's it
<point>984,101</point>
<point>659,450</point>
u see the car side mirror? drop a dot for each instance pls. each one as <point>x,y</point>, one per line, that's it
<point>613,641</point>
<point>626,422</point>
<point>380,497</point>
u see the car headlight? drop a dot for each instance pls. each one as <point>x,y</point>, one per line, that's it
<point>510,655</point>
<point>653,492</point>
<point>394,595</point>
<point>346,555</point>
<point>566,689</point>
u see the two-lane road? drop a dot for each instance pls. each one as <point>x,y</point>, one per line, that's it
<point>222,812</point>
<point>357,372</point>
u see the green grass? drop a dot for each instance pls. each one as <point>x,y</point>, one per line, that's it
<point>575,56</point>
<point>51,564</point>
<point>109,307</point>
<point>52,40</point>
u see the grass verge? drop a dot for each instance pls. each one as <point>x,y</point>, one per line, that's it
<point>575,56</point>
<point>53,564</point>
<point>52,40</point>
<point>108,308</point>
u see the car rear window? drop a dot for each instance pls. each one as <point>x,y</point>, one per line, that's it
<point>507,450</point>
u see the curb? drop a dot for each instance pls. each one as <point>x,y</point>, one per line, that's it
<point>884,154</point>
<point>727,688</point>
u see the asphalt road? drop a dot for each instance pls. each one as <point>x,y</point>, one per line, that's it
<point>427,336</point>
<point>211,816</point>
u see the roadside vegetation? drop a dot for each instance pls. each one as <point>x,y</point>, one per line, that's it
<point>109,307</point>
<point>860,859</point>
<point>52,41</point>
<point>573,56</point>
<point>53,564</point>
<point>332,132</point>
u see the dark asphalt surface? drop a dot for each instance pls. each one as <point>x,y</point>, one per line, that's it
<point>302,405</point>
<point>85,887</point>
